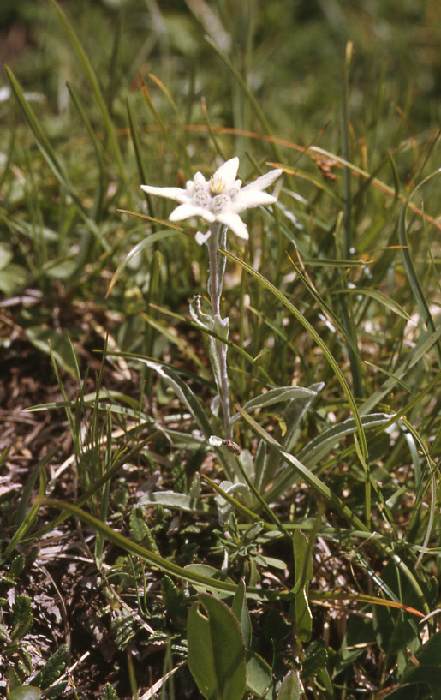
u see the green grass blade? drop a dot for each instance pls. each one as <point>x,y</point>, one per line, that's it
<point>97,147</point>
<point>138,157</point>
<point>178,340</point>
<point>146,242</point>
<point>381,298</point>
<point>346,308</point>
<point>422,348</point>
<point>319,447</point>
<point>37,129</point>
<point>411,273</point>
<point>254,103</point>
<point>91,76</point>
<point>328,312</point>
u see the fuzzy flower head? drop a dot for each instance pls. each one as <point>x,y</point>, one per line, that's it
<point>220,199</point>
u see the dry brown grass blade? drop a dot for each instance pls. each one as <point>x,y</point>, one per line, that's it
<point>362,598</point>
<point>146,217</point>
<point>359,172</point>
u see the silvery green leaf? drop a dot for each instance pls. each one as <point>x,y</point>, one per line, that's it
<point>187,440</point>
<point>247,462</point>
<point>198,316</point>
<point>260,463</point>
<point>169,499</point>
<point>222,327</point>
<point>194,491</point>
<point>191,401</point>
<point>252,532</point>
<point>281,394</point>
<point>224,508</point>
<point>291,688</point>
<point>271,562</point>
<point>214,406</point>
<point>215,441</point>
<point>323,443</point>
<point>295,412</point>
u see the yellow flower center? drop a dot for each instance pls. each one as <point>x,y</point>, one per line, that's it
<point>216,185</point>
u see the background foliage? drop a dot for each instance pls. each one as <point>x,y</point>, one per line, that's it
<point>340,555</point>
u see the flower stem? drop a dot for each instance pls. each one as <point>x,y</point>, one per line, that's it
<point>217,268</point>
<point>213,245</point>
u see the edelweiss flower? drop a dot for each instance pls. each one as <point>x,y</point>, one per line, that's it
<point>221,199</point>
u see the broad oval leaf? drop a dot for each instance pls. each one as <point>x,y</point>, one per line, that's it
<point>259,677</point>
<point>291,688</point>
<point>303,575</point>
<point>25,692</point>
<point>5,255</point>
<point>216,653</point>
<point>12,278</point>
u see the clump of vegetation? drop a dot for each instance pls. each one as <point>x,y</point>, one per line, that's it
<point>219,462</point>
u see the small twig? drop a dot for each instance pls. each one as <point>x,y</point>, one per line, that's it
<point>156,687</point>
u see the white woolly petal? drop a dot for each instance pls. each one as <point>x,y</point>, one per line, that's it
<point>246,199</point>
<point>235,223</point>
<point>202,238</point>
<point>176,193</point>
<point>187,211</point>
<point>227,173</point>
<point>199,179</point>
<point>265,180</point>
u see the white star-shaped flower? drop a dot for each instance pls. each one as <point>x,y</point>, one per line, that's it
<point>221,199</point>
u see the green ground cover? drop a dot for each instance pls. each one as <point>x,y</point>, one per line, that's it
<point>296,554</point>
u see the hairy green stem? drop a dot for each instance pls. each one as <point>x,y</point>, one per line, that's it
<point>215,286</point>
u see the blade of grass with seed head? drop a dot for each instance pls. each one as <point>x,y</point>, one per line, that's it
<point>39,133</point>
